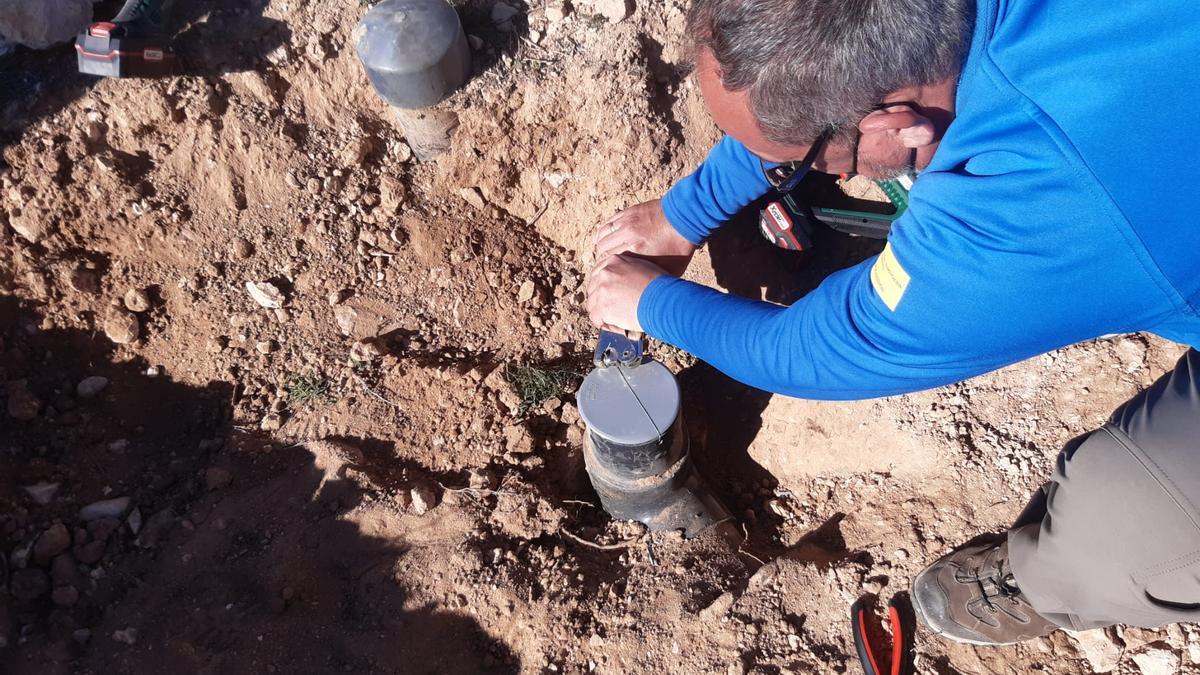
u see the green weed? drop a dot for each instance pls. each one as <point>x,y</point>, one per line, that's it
<point>305,388</point>
<point>536,385</point>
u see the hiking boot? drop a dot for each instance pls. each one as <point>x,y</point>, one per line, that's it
<point>971,596</point>
<point>139,18</point>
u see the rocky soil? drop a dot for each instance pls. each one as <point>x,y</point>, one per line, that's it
<point>258,364</point>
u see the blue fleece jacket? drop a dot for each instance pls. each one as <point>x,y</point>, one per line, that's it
<point>1058,208</point>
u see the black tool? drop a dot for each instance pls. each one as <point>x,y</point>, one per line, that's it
<point>902,641</point>
<point>132,44</point>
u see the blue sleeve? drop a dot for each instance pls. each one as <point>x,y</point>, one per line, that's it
<point>945,301</point>
<point>729,179</point>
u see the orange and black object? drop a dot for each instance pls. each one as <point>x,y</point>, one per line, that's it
<point>863,622</point>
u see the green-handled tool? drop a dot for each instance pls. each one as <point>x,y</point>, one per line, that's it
<point>789,222</point>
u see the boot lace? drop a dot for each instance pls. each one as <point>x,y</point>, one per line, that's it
<point>997,594</point>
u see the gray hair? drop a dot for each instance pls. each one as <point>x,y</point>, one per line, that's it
<point>812,65</point>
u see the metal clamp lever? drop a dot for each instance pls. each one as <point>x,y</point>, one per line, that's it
<point>617,349</point>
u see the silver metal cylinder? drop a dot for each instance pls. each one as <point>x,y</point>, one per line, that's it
<point>414,51</point>
<point>636,449</point>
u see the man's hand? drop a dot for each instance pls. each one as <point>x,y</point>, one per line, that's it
<point>643,230</point>
<point>616,287</point>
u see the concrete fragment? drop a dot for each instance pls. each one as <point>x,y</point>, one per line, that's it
<point>1157,661</point>
<point>1097,648</point>
<point>266,294</point>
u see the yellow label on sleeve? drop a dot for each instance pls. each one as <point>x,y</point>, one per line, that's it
<point>889,278</point>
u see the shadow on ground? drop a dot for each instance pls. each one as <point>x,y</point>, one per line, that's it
<point>265,574</point>
<point>725,416</point>
<point>211,38</point>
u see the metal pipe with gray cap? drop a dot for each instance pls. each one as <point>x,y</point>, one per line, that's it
<point>416,55</point>
<point>636,448</point>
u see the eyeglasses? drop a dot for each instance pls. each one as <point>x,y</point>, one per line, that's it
<point>785,176</point>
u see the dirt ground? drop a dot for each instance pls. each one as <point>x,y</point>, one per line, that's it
<point>338,476</point>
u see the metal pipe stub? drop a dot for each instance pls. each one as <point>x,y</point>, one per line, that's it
<point>415,54</point>
<point>636,450</point>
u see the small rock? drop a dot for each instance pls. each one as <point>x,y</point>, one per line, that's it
<point>1097,648</point>
<point>128,636</point>
<point>82,635</point>
<point>510,401</point>
<point>346,317</point>
<point>1157,661</point>
<point>101,529</point>
<point>365,351</point>
<point>90,387</point>
<point>106,508</point>
<point>423,498</point>
<point>266,294</point>
<point>216,478</point>
<point>41,493</point>
<point>137,300</point>
<point>336,298</point>
<point>526,292</point>
<point>271,422</point>
<point>65,596</point>
<point>52,542</point>
<point>29,584</point>
<point>358,151</point>
<point>64,571</point>
<point>517,440</point>
<point>556,13</point>
<point>556,179</point>
<point>158,526</point>
<point>22,404</point>
<point>122,327</point>
<point>31,228</point>
<point>481,479</point>
<point>570,414</point>
<point>134,521</point>
<point>266,346</point>
<point>476,42</point>
<point>91,552</point>
<point>472,196</point>
<point>403,154</point>
<point>718,608</point>
<point>574,435</point>
<point>241,248</point>
<point>19,557</point>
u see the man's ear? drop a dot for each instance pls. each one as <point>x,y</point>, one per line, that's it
<point>908,128</point>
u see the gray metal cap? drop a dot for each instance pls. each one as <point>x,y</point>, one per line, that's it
<point>414,51</point>
<point>629,406</point>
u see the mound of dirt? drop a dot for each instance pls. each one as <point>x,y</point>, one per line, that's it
<point>258,410</point>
